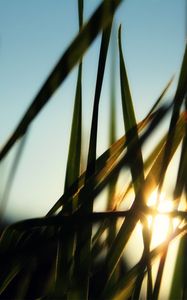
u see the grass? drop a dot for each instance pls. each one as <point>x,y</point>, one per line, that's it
<point>80,253</point>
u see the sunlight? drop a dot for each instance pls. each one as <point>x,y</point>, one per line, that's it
<point>161,224</point>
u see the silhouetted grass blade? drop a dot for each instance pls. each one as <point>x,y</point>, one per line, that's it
<point>66,247</point>
<point>99,20</point>
<point>83,249</point>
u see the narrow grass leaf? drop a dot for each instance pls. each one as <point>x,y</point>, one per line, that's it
<point>83,249</point>
<point>12,174</point>
<point>98,21</point>
<point>123,289</point>
<point>151,182</point>
<point>66,246</point>
<point>137,169</point>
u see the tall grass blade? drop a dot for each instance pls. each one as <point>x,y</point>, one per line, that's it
<point>98,21</point>
<point>114,151</point>
<point>179,98</point>
<point>83,249</point>
<point>137,169</point>
<point>66,247</point>
<point>123,289</point>
<point>150,183</point>
<point>99,180</point>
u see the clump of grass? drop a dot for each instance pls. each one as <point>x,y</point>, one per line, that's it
<point>76,261</point>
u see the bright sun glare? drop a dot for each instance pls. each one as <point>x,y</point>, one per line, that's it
<point>160,224</point>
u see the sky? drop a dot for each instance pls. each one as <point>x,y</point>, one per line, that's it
<point>33,36</point>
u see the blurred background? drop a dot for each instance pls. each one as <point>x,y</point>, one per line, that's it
<point>33,36</point>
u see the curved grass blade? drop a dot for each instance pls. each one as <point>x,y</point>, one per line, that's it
<point>178,99</point>
<point>83,248</point>
<point>12,174</point>
<point>137,169</point>
<point>98,21</point>
<point>99,181</point>
<point>107,157</point>
<point>122,195</point>
<point>181,90</point>
<point>65,250</point>
<point>151,181</point>
<point>123,289</point>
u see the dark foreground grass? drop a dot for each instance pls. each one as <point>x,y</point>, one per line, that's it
<point>74,252</point>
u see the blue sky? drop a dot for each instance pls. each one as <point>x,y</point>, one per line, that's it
<point>33,36</point>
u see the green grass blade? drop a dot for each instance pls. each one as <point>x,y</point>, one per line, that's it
<point>66,246</point>
<point>98,21</point>
<point>137,170</point>
<point>80,12</point>
<point>12,173</point>
<point>74,157</point>
<point>178,99</point>
<point>151,182</point>
<point>178,276</point>
<point>99,180</point>
<point>157,102</point>
<point>114,151</point>
<point>112,138</point>
<point>83,249</point>
<point>123,289</point>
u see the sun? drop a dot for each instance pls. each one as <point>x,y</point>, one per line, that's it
<point>161,224</point>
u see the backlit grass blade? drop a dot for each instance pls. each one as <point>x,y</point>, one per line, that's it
<point>151,182</point>
<point>137,169</point>
<point>112,189</point>
<point>73,163</point>
<point>99,180</point>
<point>179,278</point>
<point>83,249</point>
<point>66,247</point>
<point>112,138</point>
<point>12,174</point>
<point>159,274</point>
<point>179,98</point>
<point>98,21</point>
<point>176,291</point>
<point>114,151</point>
<point>122,194</point>
<point>123,289</point>
<point>181,175</point>
<point>157,102</point>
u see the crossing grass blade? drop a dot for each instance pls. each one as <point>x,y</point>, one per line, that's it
<point>151,182</point>
<point>65,250</point>
<point>114,151</point>
<point>123,289</point>
<point>84,235</point>
<point>98,21</point>
<point>137,169</point>
<point>180,92</point>
<point>71,228</point>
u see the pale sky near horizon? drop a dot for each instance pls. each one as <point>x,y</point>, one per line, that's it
<point>33,36</point>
